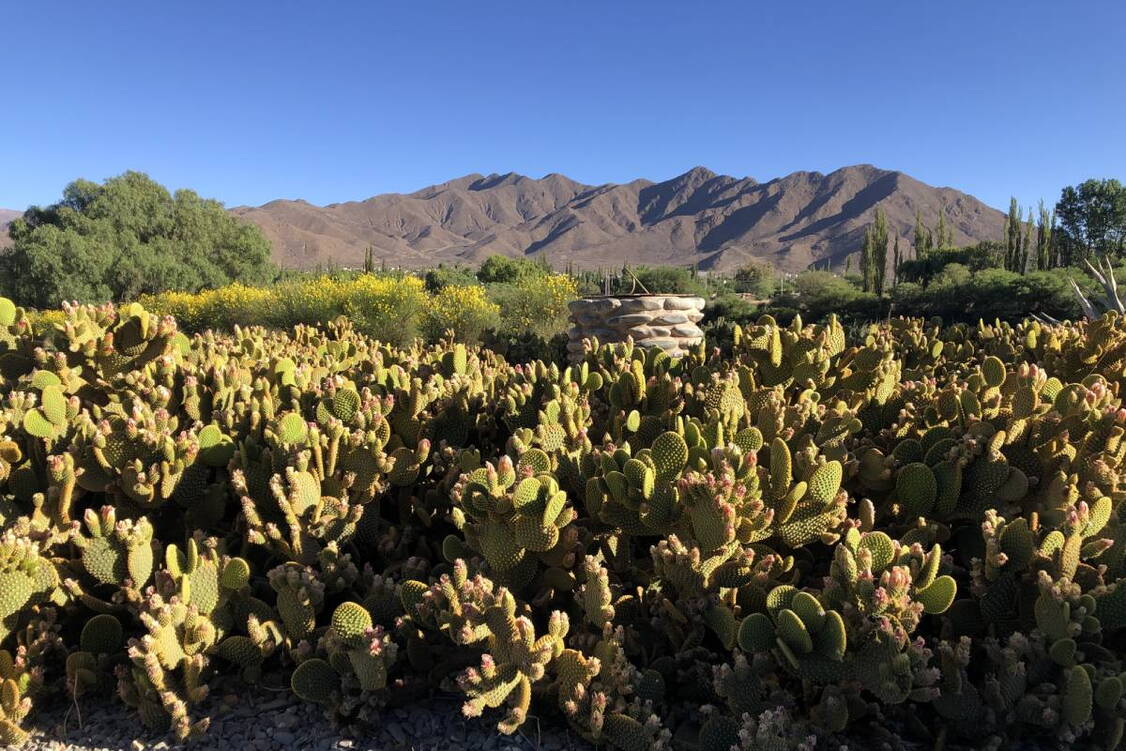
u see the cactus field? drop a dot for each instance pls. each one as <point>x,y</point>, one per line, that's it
<point>908,538</point>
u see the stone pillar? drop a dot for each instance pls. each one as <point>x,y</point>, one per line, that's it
<point>665,321</point>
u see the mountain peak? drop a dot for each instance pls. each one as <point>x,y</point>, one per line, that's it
<point>495,181</point>
<point>698,217</point>
<point>699,172</point>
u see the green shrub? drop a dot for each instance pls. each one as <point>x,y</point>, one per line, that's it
<point>504,270</point>
<point>127,237</point>
<point>536,306</point>
<point>444,276</point>
<point>755,278</point>
<point>668,280</point>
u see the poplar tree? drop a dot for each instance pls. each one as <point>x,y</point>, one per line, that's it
<point>924,240</point>
<point>943,236</point>
<point>867,261</point>
<point>880,249</point>
<point>1044,250</point>
<point>896,261</point>
<point>874,255</point>
<point>1018,238</point>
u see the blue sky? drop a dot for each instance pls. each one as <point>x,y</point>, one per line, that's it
<point>330,101</point>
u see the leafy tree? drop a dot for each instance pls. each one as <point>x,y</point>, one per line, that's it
<point>755,278</point>
<point>867,262</point>
<point>445,276</point>
<point>672,280</point>
<point>897,261</point>
<point>127,237</point>
<point>943,236</point>
<point>985,255</point>
<point>1092,218</point>
<point>505,270</point>
<point>1045,256</point>
<point>924,239</point>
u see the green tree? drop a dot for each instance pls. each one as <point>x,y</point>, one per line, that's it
<point>897,261</point>
<point>943,235</point>
<point>924,239</point>
<point>874,255</point>
<point>1017,238</point>
<point>126,237</point>
<point>756,278</point>
<point>867,261</point>
<point>502,269</point>
<point>1045,255</point>
<point>1092,219</point>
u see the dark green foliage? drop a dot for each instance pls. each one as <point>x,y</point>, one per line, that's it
<point>126,237</point>
<point>755,278</point>
<point>874,254</point>
<point>1017,239</point>
<point>444,276</point>
<point>974,257</point>
<point>1092,219</point>
<point>507,270</point>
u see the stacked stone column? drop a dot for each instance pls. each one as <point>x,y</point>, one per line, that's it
<point>665,321</point>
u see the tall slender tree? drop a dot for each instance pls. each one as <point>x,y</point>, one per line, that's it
<point>943,235</point>
<point>867,261</point>
<point>874,255</point>
<point>897,259</point>
<point>881,250</point>
<point>1018,238</point>
<point>1045,256</point>
<point>924,238</point>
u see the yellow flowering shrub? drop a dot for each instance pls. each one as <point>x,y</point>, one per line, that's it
<point>388,309</point>
<point>393,309</point>
<point>465,310</point>
<point>536,305</point>
<point>44,321</point>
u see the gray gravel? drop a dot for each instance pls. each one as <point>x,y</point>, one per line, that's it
<point>255,720</point>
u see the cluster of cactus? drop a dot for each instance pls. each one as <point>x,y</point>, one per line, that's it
<point>793,540</point>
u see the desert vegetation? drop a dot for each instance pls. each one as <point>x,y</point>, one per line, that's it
<point>910,534</point>
<point>880,508</point>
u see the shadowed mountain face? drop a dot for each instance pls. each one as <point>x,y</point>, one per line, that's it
<point>715,221</point>
<point>6,217</point>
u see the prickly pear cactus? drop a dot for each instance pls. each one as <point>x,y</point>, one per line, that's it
<point>905,536</point>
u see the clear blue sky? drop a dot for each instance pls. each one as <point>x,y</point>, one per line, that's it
<point>330,101</point>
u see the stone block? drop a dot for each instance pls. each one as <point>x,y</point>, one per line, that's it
<point>684,303</point>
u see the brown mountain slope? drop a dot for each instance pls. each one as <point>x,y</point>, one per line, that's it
<point>699,217</point>
<point>6,217</point>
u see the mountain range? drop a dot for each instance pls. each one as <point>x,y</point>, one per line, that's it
<point>699,217</point>
<point>802,220</point>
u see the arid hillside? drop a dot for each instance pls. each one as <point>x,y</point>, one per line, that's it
<point>715,221</point>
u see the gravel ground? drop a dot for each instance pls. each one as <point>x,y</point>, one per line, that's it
<point>260,721</point>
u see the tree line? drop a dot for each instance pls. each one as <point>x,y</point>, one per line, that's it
<point>1088,220</point>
